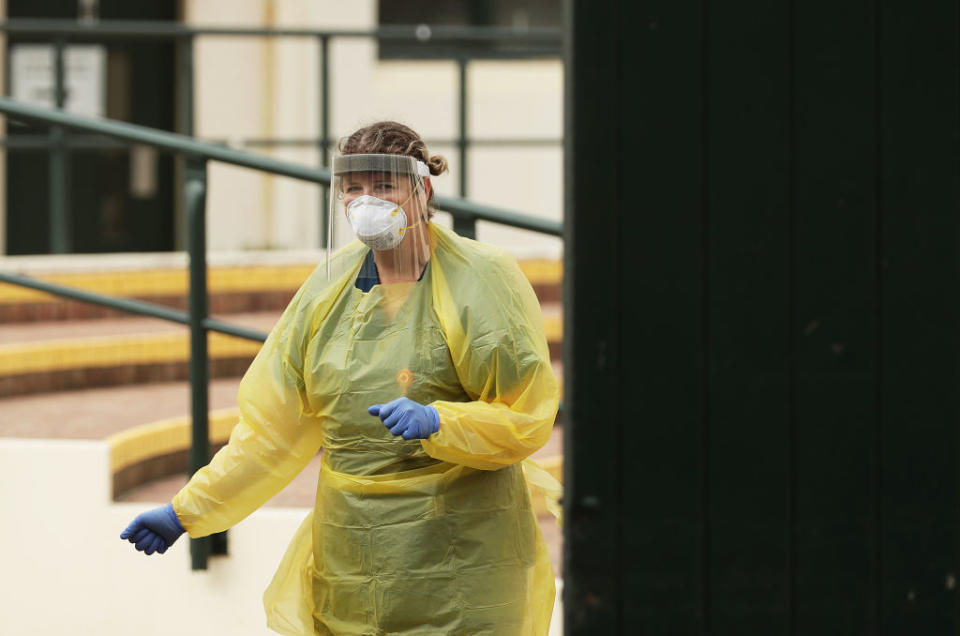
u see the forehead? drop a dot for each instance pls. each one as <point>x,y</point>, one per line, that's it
<point>370,176</point>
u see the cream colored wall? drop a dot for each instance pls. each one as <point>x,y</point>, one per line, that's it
<point>263,88</point>
<point>229,94</point>
<point>66,571</point>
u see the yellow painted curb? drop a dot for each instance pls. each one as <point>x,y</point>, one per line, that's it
<point>141,443</point>
<point>166,282</point>
<point>553,326</point>
<point>174,282</point>
<point>542,271</point>
<point>109,351</point>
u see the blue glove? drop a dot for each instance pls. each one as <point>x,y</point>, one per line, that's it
<point>405,417</point>
<point>154,530</point>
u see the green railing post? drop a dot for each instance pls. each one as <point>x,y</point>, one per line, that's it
<point>184,126</point>
<point>463,225</point>
<point>196,194</point>
<point>61,232</point>
<point>324,141</point>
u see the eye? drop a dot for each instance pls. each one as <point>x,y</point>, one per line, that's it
<point>353,189</point>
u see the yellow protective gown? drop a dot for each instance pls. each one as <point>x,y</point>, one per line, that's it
<point>429,536</point>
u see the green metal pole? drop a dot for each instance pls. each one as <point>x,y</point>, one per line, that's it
<point>184,124</point>
<point>196,194</point>
<point>464,225</point>
<point>60,227</point>
<point>192,173</point>
<point>324,134</point>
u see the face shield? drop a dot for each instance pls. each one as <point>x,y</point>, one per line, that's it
<point>381,199</point>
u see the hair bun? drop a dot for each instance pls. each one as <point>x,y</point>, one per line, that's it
<point>437,165</point>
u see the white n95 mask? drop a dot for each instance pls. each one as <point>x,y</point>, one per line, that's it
<point>379,224</point>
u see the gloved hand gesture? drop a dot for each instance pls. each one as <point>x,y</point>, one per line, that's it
<point>405,417</point>
<point>154,530</point>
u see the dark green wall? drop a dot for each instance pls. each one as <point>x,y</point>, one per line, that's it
<point>761,296</point>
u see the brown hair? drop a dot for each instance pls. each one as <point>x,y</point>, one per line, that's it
<point>393,138</point>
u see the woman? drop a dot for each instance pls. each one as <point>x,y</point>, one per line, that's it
<point>417,360</point>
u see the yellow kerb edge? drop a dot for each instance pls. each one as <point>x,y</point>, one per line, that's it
<point>140,443</point>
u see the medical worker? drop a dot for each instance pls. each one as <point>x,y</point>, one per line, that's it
<point>416,359</point>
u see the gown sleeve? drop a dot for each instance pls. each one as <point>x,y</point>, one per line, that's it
<point>494,329</point>
<point>275,438</point>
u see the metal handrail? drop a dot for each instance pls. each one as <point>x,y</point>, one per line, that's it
<point>131,306</point>
<point>124,29</point>
<point>182,144</point>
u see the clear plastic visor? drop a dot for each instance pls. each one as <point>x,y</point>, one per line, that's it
<point>381,200</point>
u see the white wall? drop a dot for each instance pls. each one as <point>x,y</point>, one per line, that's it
<point>231,102</point>
<point>66,570</point>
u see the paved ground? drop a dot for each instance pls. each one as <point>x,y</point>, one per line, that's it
<point>97,413</point>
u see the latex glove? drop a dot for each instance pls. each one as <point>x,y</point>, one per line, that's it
<point>405,417</point>
<point>154,530</point>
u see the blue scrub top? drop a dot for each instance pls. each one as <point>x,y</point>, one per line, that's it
<point>369,276</point>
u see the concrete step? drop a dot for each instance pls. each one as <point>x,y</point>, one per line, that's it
<point>58,356</point>
<point>231,290</point>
